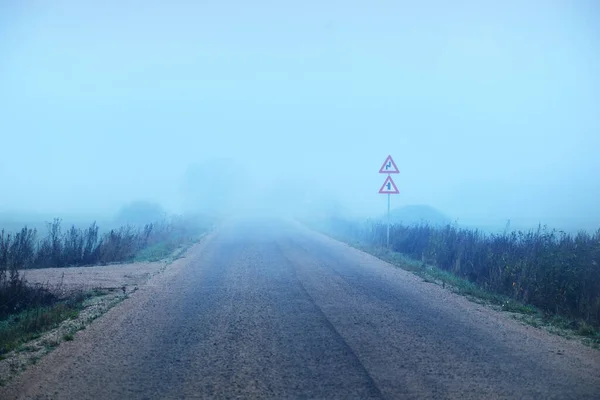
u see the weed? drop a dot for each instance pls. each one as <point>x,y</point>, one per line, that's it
<point>29,324</point>
<point>513,306</point>
<point>587,330</point>
<point>68,337</point>
<point>27,349</point>
<point>535,322</point>
<point>561,322</point>
<point>50,344</point>
<point>156,252</point>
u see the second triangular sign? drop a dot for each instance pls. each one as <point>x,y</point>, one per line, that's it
<point>389,187</point>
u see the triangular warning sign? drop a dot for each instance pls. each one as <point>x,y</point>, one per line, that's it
<point>389,187</point>
<point>389,167</point>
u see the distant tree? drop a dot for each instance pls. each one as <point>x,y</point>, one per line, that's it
<point>214,186</point>
<point>140,213</point>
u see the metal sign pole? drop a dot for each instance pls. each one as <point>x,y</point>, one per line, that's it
<point>388,221</point>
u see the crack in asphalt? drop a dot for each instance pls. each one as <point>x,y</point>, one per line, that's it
<point>331,326</point>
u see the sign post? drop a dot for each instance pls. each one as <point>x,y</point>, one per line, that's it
<point>387,242</point>
<point>389,187</point>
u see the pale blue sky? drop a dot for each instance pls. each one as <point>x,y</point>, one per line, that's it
<point>490,109</point>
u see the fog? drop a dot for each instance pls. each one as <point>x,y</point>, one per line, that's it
<point>490,109</point>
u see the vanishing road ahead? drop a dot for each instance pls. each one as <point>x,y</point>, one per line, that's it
<point>271,310</point>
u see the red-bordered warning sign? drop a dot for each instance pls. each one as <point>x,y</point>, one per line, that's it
<point>389,167</point>
<point>389,187</point>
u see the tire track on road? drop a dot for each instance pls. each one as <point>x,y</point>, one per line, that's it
<point>330,325</point>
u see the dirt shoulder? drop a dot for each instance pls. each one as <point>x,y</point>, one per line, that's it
<point>105,286</point>
<point>113,276</point>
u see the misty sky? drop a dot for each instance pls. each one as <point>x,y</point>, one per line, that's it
<point>491,109</point>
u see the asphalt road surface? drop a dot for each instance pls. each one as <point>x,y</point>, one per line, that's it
<point>271,310</point>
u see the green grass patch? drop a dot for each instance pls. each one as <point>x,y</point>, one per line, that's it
<point>156,252</point>
<point>516,307</point>
<point>459,285</point>
<point>586,330</point>
<point>430,273</point>
<point>169,250</point>
<point>68,337</point>
<point>30,324</point>
<point>530,314</point>
<point>565,327</point>
<point>27,349</point>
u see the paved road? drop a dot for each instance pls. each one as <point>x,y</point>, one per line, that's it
<point>270,310</point>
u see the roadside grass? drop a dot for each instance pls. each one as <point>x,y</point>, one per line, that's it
<point>29,324</point>
<point>156,252</point>
<point>44,311</point>
<point>525,313</point>
<point>35,318</point>
<point>59,323</point>
<point>167,250</point>
<point>569,328</point>
<point>27,310</point>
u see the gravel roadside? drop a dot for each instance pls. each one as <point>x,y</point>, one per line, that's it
<point>110,284</point>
